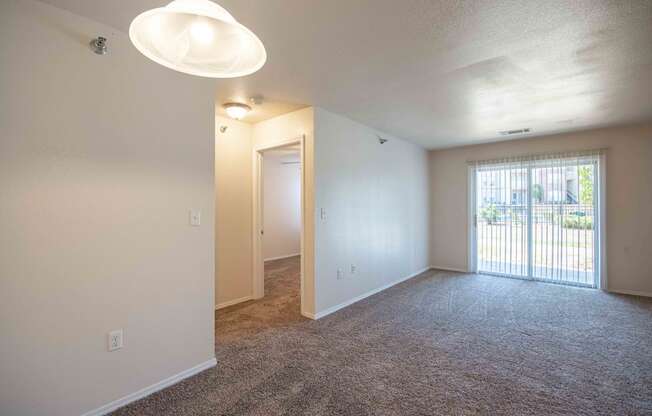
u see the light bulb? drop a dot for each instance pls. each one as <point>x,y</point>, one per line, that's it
<point>236,110</point>
<point>202,32</point>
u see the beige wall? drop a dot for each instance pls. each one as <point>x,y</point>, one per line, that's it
<point>629,198</point>
<point>233,206</point>
<point>101,159</point>
<point>282,205</point>
<point>376,204</point>
<point>288,126</point>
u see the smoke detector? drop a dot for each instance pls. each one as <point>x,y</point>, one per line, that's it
<point>98,45</point>
<point>257,100</point>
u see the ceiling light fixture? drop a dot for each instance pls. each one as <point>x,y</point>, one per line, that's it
<point>236,110</point>
<point>197,37</point>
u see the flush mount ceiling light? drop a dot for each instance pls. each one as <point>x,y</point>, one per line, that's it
<point>236,110</point>
<point>197,37</point>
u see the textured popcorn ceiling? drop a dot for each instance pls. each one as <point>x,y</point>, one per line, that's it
<point>442,73</point>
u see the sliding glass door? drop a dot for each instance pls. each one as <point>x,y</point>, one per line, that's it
<point>502,219</point>
<point>538,218</point>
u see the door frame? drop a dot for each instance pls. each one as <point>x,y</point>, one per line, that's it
<point>258,266</point>
<point>472,250</point>
<point>601,204</point>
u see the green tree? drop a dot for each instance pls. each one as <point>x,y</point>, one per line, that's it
<point>537,192</point>
<point>586,185</point>
<point>489,213</point>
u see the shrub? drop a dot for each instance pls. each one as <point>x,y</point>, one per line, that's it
<point>577,222</point>
<point>489,213</point>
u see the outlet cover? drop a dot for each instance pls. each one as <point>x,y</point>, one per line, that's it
<point>115,340</point>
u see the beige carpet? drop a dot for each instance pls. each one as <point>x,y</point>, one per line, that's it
<point>439,344</point>
<point>281,306</point>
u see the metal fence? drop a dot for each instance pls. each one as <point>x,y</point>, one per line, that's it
<point>561,244</point>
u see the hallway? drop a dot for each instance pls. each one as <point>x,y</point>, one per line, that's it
<point>280,307</point>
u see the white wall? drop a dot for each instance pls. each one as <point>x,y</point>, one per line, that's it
<point>233,210</point>
<point>629,198</point>
<point>101,159</point>
<point>282,205</point>
<point>377,209</point>
<point>376,199</point>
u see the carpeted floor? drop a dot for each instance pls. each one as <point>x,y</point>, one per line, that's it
<point>439,344</point>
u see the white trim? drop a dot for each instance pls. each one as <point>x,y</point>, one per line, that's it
<point>472,221</point>
<point>257,256</point>
<point>232,302</point>
<point>450,269</point>
<point>630,292</point>
<point>130,398</point>
<point>279,143</point>
<point>309,315</point>
<point>287,256</point>
<point>602,206</point>
<point>335,308</point>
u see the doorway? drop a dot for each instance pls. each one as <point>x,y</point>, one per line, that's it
<point>278,235</point>
<point>539,218</point>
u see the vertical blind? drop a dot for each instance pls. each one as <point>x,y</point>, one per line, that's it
<point>537,217</point>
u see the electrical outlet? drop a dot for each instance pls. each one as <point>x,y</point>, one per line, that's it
<point>195,218</point>
<point>323,214</point>
<point>115,340</point>
<point>353,269</point>
<point>340,274</point>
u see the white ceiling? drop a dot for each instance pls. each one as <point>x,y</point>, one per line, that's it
<point>443,73</point>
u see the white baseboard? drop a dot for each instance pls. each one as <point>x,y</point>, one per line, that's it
<point>283,257</point>
<point>130,398</point>
<point>630,292</point>
<point>232,302</point>
<point>449,269</point>
<point>335,308</point>
<point>308,315</point>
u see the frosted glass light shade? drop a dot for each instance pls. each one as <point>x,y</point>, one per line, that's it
<point>197,37</point>
<point>236,110</point>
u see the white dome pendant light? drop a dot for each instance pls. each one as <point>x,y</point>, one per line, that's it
<point>197,37</point>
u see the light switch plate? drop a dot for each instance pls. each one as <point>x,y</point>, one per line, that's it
<point>195,218</point>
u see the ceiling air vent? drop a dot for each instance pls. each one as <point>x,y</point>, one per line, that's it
<point>511,132</point>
